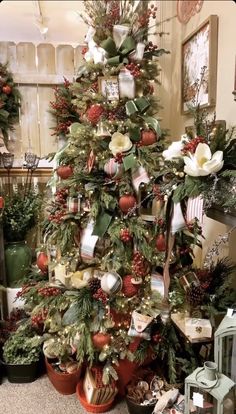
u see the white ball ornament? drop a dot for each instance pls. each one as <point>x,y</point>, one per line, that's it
<point>113,168</point>
<point>111,283</point>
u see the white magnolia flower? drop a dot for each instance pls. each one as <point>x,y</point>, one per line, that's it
<point>119,143</point>
<point>202,162</point>
<point>174,150</point>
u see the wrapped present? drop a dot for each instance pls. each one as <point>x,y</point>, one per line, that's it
<point>198,328</point>
<point>95,390</point>
<point>73,204</point>
<point>140,325</point>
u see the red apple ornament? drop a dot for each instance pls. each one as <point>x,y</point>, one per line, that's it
<point>128,288</point>
<point>64,171</point>
<point>161,243</point>
<point>126,202</point>
<point>101,339</point>
<point>7,89</point>
<point>148,137</point>
<point>42,262</point>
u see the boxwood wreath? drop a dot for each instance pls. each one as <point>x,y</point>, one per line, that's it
<point>9,102</point>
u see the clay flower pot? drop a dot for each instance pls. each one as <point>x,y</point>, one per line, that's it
<point>65,383</point>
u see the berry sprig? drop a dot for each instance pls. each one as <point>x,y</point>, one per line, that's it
<point>144,19</point>
<point>49,291</point>
<point>150,47</point>
<point>119,157</point>
<point>57,217</point>
<point>192,145</point>
<point>125,235</point>
<point>61,196</point>
<point>101,295</point>
<point>140,266</point>
<point>38,319</point>
<point>134,69</point>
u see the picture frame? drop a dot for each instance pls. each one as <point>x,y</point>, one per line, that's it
<point>199,61</point>
<point>109,87</point>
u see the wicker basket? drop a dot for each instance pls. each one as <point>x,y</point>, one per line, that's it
<point>91,408</point>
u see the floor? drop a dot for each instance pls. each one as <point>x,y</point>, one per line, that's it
<point>40,397</point>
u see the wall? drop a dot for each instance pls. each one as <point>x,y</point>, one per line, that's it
<point>170,90</point>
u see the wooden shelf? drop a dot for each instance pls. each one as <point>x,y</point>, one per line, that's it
<point>216,213</point>
<point>22,172</point>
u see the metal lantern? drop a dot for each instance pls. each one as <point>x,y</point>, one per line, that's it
<point>209,392</point>
<point>225,346</point>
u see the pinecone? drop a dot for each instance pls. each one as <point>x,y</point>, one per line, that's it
<point>94,284</point>
<point>194,295</point>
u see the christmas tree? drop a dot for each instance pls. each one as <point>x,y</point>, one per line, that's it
<point>117,234</point>
<point>107,221</point>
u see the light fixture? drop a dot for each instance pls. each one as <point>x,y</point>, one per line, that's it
<point>39,23</point>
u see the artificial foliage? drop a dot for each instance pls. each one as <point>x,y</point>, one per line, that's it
<point>62,109</point>
<point>20,214</point>
<point>121,252</point>
<point>9,101</point>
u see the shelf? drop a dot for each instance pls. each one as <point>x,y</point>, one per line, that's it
<point>216,213</point>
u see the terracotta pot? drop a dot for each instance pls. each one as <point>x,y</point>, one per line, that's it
<point>65,383</point>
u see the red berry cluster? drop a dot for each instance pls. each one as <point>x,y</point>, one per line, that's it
<point>156,338</point>
<point>38,319</point>
<point>143,20</point>
<point>61,196</point>
<point>150,47</point>
<point>84,50</point>
<point>134,69</point>
<point>25,289</point>
<point>192,145</point>
<point>140,266</point>
<point>57,217</point>
<point>113,14</point>
<point>49,291</point>
<point>157,191</point>
<point>100,295</point>
<point>125,235</point>
<point>119,157</point>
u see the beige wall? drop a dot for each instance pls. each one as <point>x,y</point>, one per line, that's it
<point>170,90</point>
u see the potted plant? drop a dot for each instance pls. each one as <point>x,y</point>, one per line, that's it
<point>20,214</point>
<point>21,354</point>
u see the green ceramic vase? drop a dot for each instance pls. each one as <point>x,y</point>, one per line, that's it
<point>18,257</point>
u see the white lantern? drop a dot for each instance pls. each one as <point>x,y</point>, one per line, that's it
<point>208,391</point>
<point>225,346</point>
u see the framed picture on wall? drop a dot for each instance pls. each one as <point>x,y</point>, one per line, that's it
<point>199,61</point>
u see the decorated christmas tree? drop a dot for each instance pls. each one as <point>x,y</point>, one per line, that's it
<point>118,235</point>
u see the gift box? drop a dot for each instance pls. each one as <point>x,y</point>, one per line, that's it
<point>198,328</point>
<point>95,391</point>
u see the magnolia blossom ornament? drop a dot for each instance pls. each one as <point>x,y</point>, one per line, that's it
<point>111,283</point>
<point>119,143</point>
<point>174,150</point>
<point>202,162</point>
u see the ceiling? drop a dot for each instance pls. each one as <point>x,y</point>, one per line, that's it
<point>18,21</point>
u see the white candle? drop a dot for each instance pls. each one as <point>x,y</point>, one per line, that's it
<point>60,272</point>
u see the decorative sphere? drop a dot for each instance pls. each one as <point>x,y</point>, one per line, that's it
<point>101,339</point>
<point>64,171</point>
<point>111,283</point>
<point>148,137</point>
<point>127,202</point>
<point>161,243</point>
<point>94,113</point>
<point>129,289</point>
<point>42,262</point>
<point>113,168</point>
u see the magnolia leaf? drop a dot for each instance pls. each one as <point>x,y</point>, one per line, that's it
<point>129,162</point>
<point>71,315</point>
